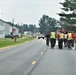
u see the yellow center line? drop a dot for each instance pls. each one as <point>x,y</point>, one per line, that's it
<point>34,62</point>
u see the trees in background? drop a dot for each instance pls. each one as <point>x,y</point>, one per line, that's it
<point>25,27</point>
<point>46,24</point>
<point>68,15</point>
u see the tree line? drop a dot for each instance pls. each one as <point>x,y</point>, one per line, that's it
<point>46,24</point>
<point>25,27</point>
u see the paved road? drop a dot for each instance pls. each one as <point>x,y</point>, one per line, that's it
<point>35,58</point>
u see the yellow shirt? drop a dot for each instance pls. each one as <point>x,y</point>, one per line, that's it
<point>70,36</point>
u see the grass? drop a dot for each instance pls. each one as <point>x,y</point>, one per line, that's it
<point>8,41</point>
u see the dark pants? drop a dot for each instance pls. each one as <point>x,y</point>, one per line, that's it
<point>53,41</point>
<point>72,42</point>
<point>60,42</point>
<point>65,42</point>
<point>47,42</point>
<point>69,43</point>
<point>75,43</point>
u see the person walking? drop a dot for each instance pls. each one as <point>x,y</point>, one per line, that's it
<point>52,38</point>
<point>47,39</point>
<point>60,42</point>
<point>58,38</point>
<point>74,36</point>
<point>70,40</point>
<point>65,39</point>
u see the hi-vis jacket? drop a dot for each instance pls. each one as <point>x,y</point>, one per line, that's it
<point>53,35</point>
<point>61,36</point>
<point>70,36</point>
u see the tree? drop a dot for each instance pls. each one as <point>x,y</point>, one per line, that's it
<point>25,27</point>
<point>69,5</point>
<point>32,28</point>
<point>46,24</point>
<point>35,29</point>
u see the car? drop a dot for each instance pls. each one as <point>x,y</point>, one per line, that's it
<point>8,36</point>
<point>41,36</point>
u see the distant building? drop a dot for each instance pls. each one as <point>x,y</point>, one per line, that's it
<point>7,29</point>
<point>15,31</point>
<point>2,29</point>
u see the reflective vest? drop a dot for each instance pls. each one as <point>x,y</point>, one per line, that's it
<point>61,36</point>
<point>70,36</point>
<point>52,35</point>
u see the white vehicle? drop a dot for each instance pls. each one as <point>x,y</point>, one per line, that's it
<point>41,36</point>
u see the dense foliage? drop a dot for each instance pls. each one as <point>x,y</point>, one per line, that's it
<point>46,24</point>
<point>68,16</point>
<point>24,27</point>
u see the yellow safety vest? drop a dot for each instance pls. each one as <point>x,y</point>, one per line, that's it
<point>61,36</point>
<point>70,36</point>
<point>52,35</point>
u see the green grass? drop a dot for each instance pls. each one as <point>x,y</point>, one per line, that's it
<point>8,41</point>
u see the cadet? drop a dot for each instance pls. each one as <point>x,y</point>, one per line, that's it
<point>75,43</point>
<point>65,39</point>
<point>69,40</point>
<point>52,38</point>
<point>60,42</point>
<point>47,39</point>
<point>74,36</point>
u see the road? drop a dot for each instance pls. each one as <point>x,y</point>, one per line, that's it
<point>35,58</point>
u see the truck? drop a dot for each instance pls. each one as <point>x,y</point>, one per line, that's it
<point>40,36</point>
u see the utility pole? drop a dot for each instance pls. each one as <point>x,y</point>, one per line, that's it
<point>21,30</point>
<point>12,27</point>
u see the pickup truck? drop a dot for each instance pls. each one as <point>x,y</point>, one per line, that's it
<point>41,36</point>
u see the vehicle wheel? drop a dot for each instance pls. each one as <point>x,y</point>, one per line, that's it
<point>38,37</point>
<point>43,37</point>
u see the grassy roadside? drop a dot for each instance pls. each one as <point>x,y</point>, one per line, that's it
<point>9,42</point>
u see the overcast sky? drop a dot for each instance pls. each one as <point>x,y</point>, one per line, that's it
<point>28,11</point>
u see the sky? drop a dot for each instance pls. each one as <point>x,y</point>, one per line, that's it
<point>29,11</point>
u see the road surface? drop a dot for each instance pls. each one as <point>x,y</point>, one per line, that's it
<point>35,58</point>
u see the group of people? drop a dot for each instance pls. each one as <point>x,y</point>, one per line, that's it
<point>68,38</point>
